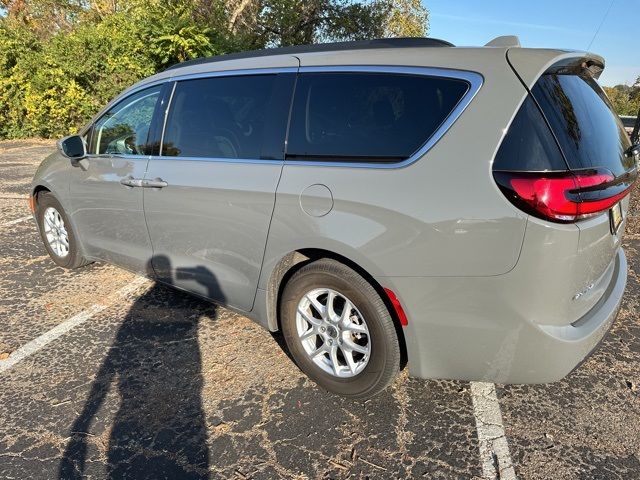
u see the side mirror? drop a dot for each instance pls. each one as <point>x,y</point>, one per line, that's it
<point>73,147</point>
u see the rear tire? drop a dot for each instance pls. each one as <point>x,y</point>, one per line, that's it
<point>359,351</point>
<point>57,234</point>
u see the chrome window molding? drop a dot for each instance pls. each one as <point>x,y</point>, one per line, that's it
<point>234,73</point>
<point>128,105</point>
<point>256,161</point>
<point>225,73</point>
<point>177,77</point>
<point>124,156</point>
<point>475,81</point>
<point>194,76</point>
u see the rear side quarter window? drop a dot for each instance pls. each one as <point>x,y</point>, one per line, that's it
<point>368,117</point>
<point>529,144</point>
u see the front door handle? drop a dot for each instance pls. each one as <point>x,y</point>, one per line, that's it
<point>131,182</point>
<point>155,183</point>
<point>139,182</point>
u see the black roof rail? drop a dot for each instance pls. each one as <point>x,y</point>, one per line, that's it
<point>403,42</point>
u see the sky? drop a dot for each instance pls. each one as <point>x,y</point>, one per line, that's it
<point>548,24</point>
<point>610,28</point>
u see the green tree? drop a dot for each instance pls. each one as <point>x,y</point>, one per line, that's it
<point>406,18</point>
<point>16,42</point>
<point>61,60</point>
<point>624,98</point>
<point>44,17</point>
<point>296,22</point>
<point>635,95</point>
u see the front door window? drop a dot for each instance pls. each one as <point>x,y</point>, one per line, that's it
<point>124,129</point>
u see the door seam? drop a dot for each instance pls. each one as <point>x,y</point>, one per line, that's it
<point>275,192</point>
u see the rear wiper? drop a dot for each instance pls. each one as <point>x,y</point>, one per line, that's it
<point>633,150</point>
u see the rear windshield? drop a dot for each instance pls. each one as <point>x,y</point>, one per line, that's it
<point>590,134</point>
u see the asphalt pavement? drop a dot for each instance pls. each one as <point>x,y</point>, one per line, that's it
<point>108,375</point>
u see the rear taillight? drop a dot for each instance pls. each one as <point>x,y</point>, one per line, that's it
<point>564,196</point>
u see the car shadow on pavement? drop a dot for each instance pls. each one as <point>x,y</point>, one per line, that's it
<point>159,429</point>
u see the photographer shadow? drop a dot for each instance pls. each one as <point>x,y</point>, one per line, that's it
<point>159,429</point>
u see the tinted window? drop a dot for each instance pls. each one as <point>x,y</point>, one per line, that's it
<point>529,144</point>
<point>368,116</point>
<point>580,115</point>
<point>124,128</point>
<point>221,117</point>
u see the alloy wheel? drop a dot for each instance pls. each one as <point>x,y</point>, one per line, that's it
<point>56,232</point>
<point>333,332</point>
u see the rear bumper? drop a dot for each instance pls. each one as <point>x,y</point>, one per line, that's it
<point>462,328</point>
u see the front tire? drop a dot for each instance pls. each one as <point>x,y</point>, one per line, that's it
<point>57,234</point>
<point>338,330</point>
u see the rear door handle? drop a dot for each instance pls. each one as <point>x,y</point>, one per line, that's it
<point>155,183</point>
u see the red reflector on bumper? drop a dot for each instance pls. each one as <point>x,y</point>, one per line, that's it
<point>397,307</point>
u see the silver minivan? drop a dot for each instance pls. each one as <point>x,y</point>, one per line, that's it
<point>381,203</point>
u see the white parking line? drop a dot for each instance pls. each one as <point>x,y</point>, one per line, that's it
<point>494,449</point>
<point>36,344</point>
<point>13,222</point>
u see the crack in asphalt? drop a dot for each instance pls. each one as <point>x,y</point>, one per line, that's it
<point>494,448</point>
<point>164,385</point>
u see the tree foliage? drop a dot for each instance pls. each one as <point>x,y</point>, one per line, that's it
<point>61,60</point>
<point>625,98</point>
<point>406,18</point>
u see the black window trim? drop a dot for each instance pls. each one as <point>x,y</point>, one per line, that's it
<point>156,130</point>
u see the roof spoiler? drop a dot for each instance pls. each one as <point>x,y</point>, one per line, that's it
<point>593,64</point>
<point>530,63</point>
<point>504,41</point>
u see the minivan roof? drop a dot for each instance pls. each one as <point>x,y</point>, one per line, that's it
<point>403,42</point>
<point>490,60</point>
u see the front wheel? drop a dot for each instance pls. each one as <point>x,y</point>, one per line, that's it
<point>56,232</point>
<point>339,330</point>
